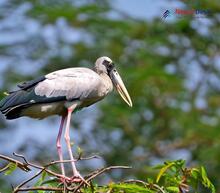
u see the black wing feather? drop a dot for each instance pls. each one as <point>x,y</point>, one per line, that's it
<point>31,83</point>
<point>12,105</point>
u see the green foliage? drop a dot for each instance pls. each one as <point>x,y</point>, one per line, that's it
<point>173,176</point>
<point>11,167</point>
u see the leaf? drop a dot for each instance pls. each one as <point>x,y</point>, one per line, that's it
<point>79,151</point>
<point>129,188</point>
<point>195,173</point>
<point>172,189</point>
<point>11,168</point>
<point>43,176</point>
<point>205,180</point>
<point>149,180</point>
<point>163,170</point>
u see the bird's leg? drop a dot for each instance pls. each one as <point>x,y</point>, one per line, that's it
<point>59,148</point>
<point>67,138</point>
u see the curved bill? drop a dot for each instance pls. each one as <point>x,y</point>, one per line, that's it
<point>119,85</point>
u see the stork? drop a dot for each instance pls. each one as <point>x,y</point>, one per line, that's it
<point>61,93</point>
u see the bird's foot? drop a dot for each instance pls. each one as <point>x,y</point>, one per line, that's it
<point>78,178</point>
<point>65,179</point>
<point>74,179</point>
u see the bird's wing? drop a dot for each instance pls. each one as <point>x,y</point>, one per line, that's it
<point>28,84</point>
<point>72,83</point>
<point>68,84</point>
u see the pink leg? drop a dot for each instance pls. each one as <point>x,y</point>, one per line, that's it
<point>67,138</point>
<point>59,148</point>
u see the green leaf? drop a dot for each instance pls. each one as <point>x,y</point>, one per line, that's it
<point>163,170</point>
<point>43,176</point>
<point>79,151</point>
<point>205,180</point>
<point>129,188</point>
<point>195,173</point>
<point>172,189</point>
<point>11,168</point>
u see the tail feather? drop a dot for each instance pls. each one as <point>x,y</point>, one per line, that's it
<point>13,104</point>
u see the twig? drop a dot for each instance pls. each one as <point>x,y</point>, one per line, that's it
<point>136,181</point>
<point>102,170</point>
<point>150,185</point>
<point>38,167</point>
<point>4,168</point>
<point>22,166</point>
<point>97,173</point>
<point>18,188</point>
<point>20,156</point>
<point>26,167</point>
<point>75,160</point>
<point>40,188</point>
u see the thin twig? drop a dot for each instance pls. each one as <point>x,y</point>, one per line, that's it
<point>40,188</point>
<point>74,160</point>
<point>102,170</point>
<point>136,181</point>
<point>17,189</point>
<point>4,168</point>
<point>25,166</point>
<point>149,185</point>
<point>20,156</point>
<point>22,166</point>
<point>97,173</point>
<point>37,166</point>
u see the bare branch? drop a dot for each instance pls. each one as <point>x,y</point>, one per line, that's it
<point>20,156</point>
<point>95,174</point>
<point>149,185</point>
<point>18,188</point>
<point>75,160</point>
<point>66,187</point>
<point>22,166</point>
<point>4,168</point>
<point>40,188</point>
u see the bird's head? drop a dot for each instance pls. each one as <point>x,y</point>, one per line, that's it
<point>105,65</point>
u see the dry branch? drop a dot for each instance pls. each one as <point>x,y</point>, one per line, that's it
<point>67,187</point>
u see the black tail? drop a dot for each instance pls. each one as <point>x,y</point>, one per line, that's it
<point>11,105</point>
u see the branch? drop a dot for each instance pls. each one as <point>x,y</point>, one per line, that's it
<point>18,188</point>
<point>95,174</point>
<point>40,188</point>
<point>75,160</point>
<point>22,166</point>
<point>150,185</point>
<point>27,165</point>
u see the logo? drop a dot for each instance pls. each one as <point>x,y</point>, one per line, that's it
<point>166,14</point>
<point>179,13</point>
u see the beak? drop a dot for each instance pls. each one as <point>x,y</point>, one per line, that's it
<point>120,87</point>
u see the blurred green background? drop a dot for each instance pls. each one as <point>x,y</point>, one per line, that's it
<point>170,66</point>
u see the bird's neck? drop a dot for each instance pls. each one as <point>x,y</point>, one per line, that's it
<point>107,85</point>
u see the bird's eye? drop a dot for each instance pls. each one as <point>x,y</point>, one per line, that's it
<point>106,63</point>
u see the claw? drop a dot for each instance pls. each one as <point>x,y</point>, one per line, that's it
<point>73,179</point>
<point>65,179</point>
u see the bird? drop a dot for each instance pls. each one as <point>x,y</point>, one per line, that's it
<point>63,92</point>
